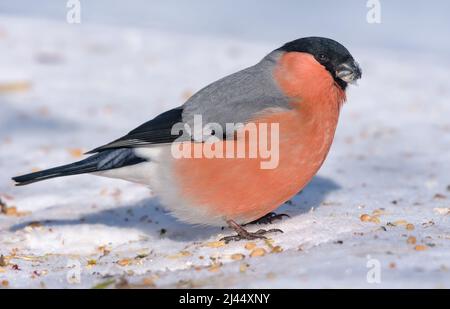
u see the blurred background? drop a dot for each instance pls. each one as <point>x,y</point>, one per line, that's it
<point>66,88</point>
<point>404,24</point>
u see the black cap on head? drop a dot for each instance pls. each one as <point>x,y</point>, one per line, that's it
<point>331,54</point>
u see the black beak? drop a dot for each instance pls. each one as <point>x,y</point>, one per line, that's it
<point>349,72</point>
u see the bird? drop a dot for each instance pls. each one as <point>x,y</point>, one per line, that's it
<point>297,90</point>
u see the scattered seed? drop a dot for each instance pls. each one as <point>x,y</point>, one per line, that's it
<point>243,267</point>
<point>149,282</point>
<point>104,250</point>
<point>3,261</point>
<point>375,219</point>
<point>365,218</point>
<point>180,254</point>
<point>400,222</point>
<point>34,224</point>
<point>420,248</point>
<point>250,246</point>
<point>277,249</point>
<point>411,240</point>
<point>5,283</point>
<point>12,210</point>
<point>124,262</point>
<point>410,227</point>
<point>215,244</point>
<point>75,152</point>
<point>15,86</point>
<point>378,212</point>
<point>214,267</point>
<point>237,256</point>
<point>269,243</point>
<point>92,262</point>
<point>258,252</point>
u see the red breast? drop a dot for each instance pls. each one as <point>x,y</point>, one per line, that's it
<point>238,188</point>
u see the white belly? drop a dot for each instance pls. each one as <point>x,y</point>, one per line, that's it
<point>157,174</point>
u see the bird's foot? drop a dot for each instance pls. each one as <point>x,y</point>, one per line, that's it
<point>243,234</point>
<point>269,218</point>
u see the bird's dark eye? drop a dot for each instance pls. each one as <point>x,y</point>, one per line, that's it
<point>323,58</point>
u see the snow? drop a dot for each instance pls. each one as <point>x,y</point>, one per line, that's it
<point>68,88</point>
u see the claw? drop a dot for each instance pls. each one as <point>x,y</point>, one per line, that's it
<point>243,234</point>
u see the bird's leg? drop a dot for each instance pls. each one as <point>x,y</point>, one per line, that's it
<point>244,234</point>
<point>268,219</point>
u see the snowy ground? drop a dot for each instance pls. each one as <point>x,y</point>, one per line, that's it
<point>66,89</point>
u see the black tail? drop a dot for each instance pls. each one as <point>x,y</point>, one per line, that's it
<point>105,160</point>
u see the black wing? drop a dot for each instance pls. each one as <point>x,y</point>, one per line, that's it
<point>156,131</point>
<point>105,160</point>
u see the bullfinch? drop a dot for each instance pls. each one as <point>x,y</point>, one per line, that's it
<point>295,94</point>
